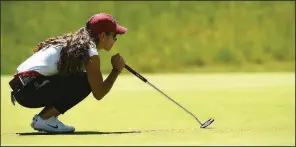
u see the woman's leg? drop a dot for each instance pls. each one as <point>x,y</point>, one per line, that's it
<point>73,89</point>
<point>76,88</point>
<point>58,95</point>
<point>49,111</point>
<point>59,92</point>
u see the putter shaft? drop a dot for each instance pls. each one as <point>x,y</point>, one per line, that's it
<point>174,101</point>
<point>146,81</point>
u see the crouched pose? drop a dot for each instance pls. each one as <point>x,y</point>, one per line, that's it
<point>64,70</point>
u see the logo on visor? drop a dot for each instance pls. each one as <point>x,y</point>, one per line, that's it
<point>113,20</point>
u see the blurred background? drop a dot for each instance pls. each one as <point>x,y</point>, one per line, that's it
<point>169,36</point>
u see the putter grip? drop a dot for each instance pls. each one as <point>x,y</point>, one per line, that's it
<point>135,73</point>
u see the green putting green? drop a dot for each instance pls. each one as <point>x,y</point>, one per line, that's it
<point>248,108</point>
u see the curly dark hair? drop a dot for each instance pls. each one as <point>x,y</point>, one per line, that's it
<point>74,50</point>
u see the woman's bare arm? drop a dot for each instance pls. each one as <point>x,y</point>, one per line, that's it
<point>99,87</point>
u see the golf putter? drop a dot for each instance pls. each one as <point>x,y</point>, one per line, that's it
<point>202,125</point>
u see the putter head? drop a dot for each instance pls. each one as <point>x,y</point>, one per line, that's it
<point>207,123</point>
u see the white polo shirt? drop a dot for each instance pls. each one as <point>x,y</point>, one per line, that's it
<point>45,60</point>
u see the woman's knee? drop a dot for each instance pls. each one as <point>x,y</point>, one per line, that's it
<point>77,85</point>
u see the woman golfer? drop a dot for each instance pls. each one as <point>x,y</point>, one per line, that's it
<point>64,70</point>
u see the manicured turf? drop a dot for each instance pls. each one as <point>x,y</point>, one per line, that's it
<point>249,109</point>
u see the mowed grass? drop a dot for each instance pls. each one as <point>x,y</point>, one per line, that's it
<point>248,108</point>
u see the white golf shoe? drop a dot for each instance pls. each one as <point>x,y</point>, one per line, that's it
<point>51,125</point>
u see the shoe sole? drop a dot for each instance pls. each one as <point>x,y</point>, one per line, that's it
<point>53,132</point>
<point>39,130</point>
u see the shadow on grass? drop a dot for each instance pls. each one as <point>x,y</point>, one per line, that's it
<point>184,130</point>
<point>76,133</point>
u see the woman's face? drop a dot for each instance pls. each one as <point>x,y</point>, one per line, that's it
<point>107,40</point>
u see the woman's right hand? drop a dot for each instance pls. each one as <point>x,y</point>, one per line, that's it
<point>117,62</point>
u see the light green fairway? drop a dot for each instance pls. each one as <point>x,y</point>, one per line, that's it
<point>249,109</point>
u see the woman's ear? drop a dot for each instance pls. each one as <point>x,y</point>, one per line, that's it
<point>102,36</point>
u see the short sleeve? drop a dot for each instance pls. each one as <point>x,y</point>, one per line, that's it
<point>92,52</point>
